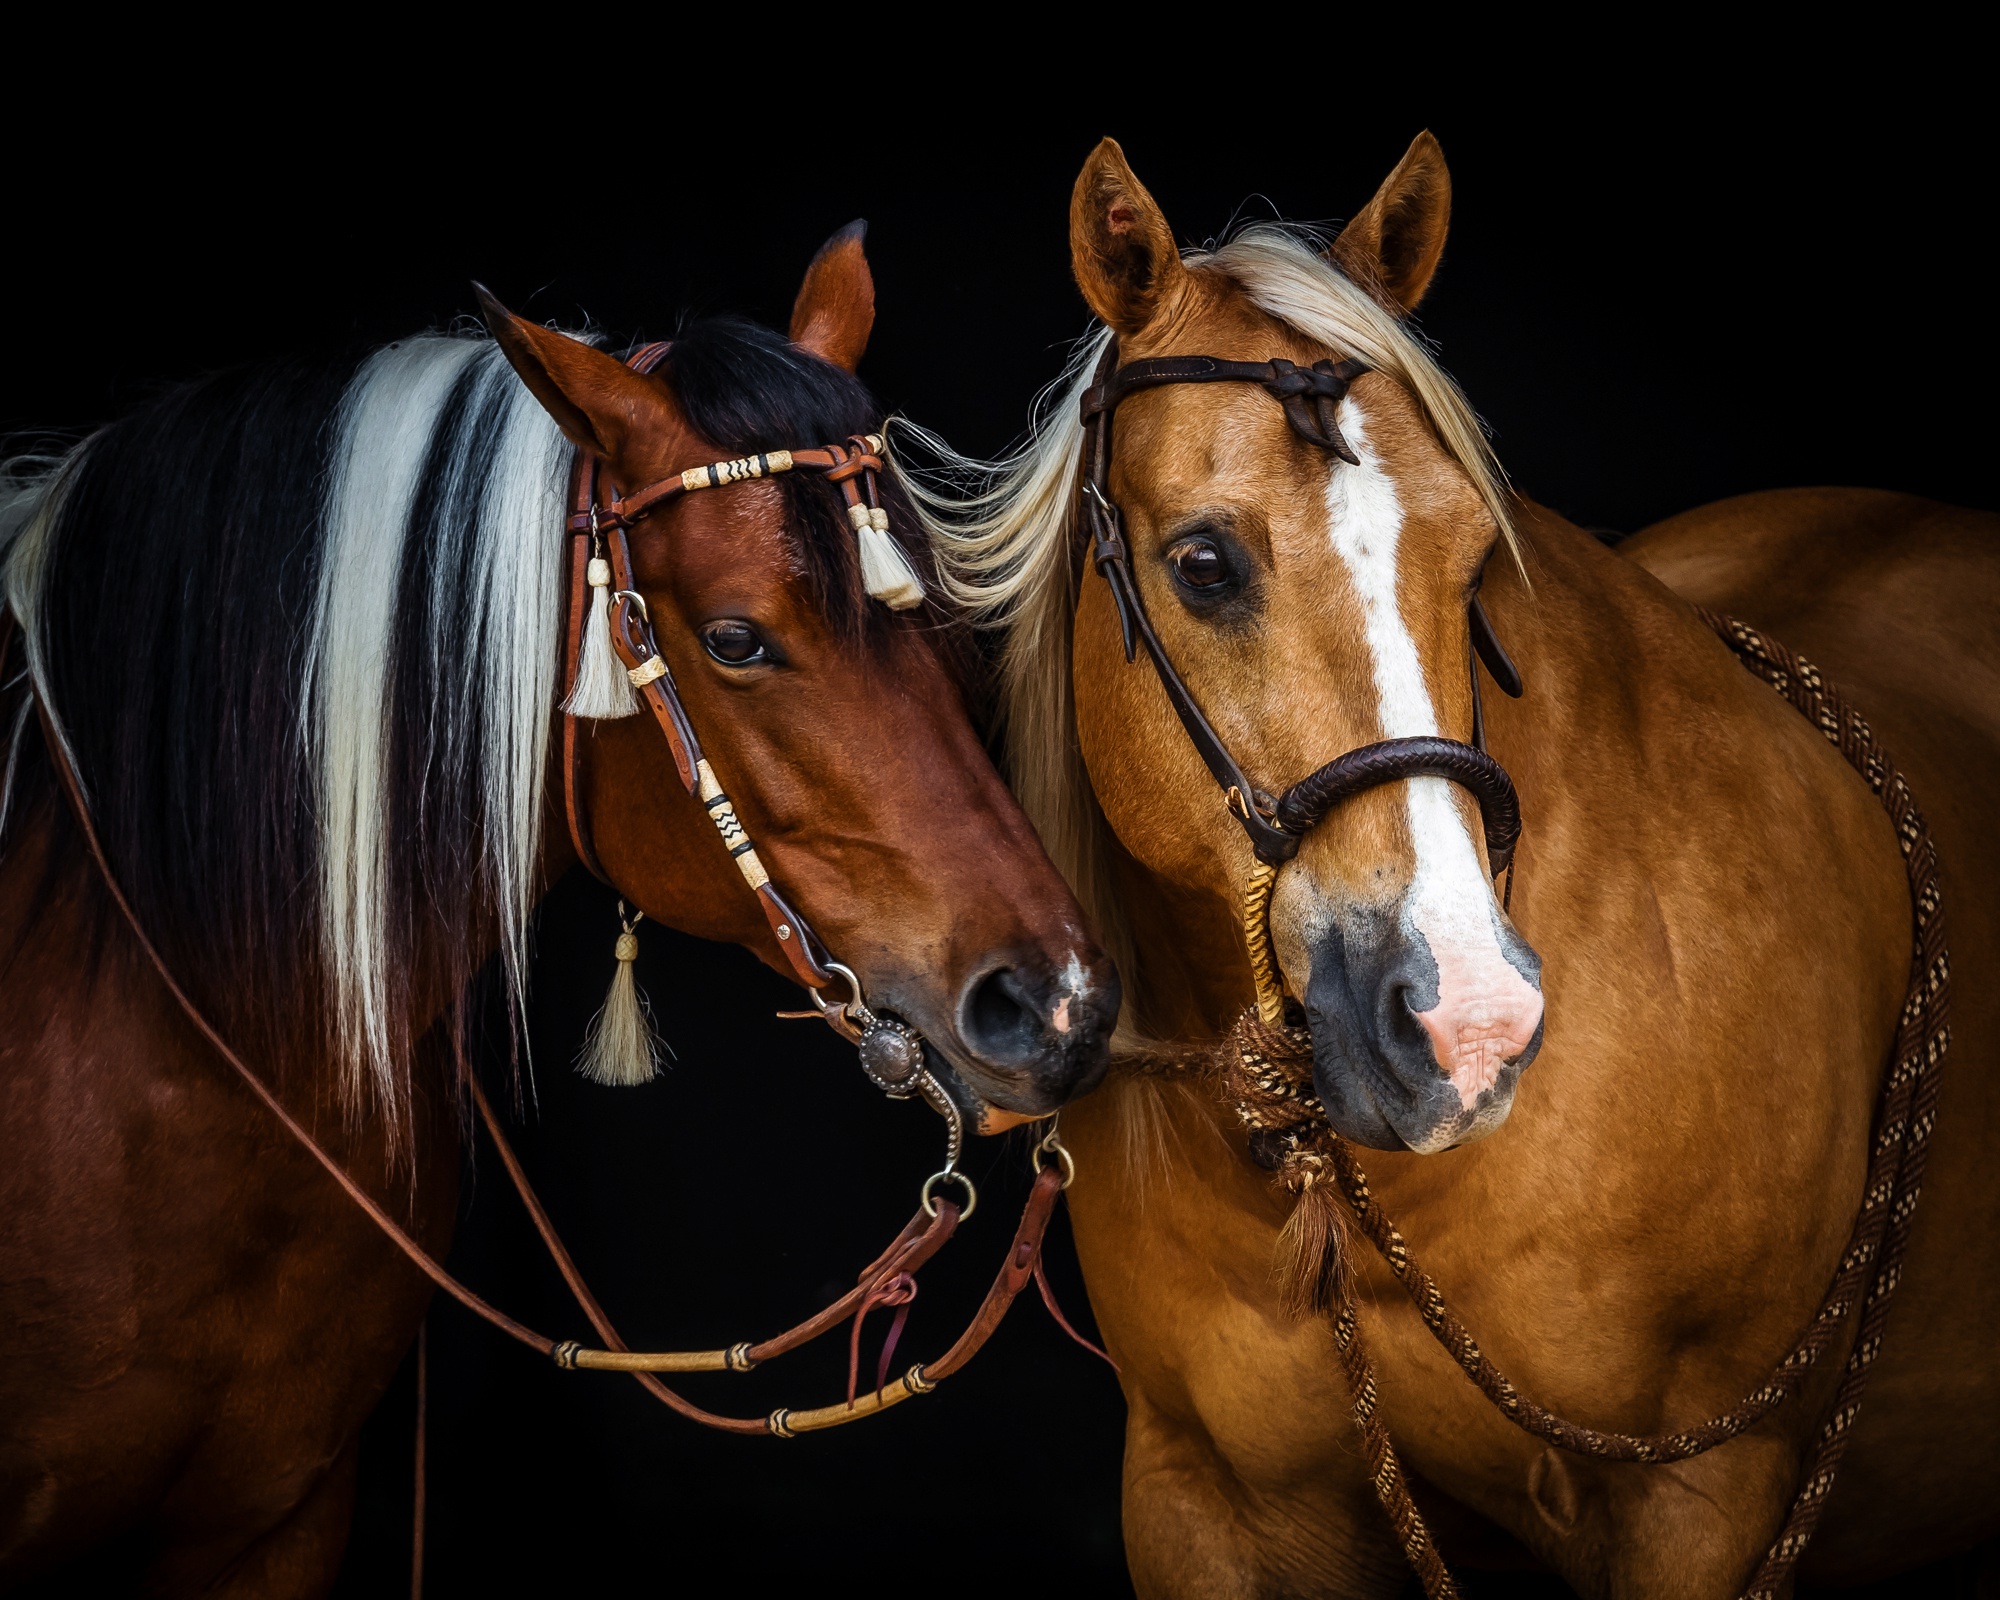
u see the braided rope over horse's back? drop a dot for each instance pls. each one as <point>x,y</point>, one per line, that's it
<point>1268,1078</point>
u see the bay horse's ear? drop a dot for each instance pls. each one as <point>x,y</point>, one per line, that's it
<point>835,310</point>
<point>1120,246</point>
<point>1392,248</point>
<point>595,398</point>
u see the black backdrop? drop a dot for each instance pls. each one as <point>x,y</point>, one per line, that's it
<point>1656,299</point>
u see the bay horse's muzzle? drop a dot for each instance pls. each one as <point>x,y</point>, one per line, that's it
<point>1034,1037</point>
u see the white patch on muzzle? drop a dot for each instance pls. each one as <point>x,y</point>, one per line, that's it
<point>1486,1012</point>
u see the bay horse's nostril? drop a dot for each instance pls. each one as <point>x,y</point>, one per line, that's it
<point>1037,1035</point>
<point>1001,1020</point>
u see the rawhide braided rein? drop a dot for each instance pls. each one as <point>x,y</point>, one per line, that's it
<point>1270,1083</point>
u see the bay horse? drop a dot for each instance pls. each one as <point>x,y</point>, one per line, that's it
<point>300,633</point>
<point>1624,1120</point>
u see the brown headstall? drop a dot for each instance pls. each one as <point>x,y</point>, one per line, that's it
<point>1276,825</point>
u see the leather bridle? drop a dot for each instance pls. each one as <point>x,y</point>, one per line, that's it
<point>1276,825</point>
<point>892,1052</point>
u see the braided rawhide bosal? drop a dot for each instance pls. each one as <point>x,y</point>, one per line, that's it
<point>1270,1082</point>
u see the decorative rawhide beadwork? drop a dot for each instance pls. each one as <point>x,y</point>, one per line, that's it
<point>714,476</point>
<point>734,838</point>
<point>1268,1077</point>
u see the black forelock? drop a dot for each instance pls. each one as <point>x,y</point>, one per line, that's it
<point>747,389</point>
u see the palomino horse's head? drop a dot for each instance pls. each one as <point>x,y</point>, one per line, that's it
<point>838,727</point>
<point>1313,605</point>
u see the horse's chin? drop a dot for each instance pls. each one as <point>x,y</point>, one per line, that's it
<point>1371,1104</point>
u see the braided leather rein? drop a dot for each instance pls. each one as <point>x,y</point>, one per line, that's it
<point>1268,1077</point>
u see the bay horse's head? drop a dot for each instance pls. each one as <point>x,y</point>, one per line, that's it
<point>838,726</point>
<point>1308,563</point>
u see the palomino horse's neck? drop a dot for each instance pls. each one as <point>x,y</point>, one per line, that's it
<point>1665,794</point>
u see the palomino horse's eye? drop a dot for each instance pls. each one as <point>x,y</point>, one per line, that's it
<point>1198,564</point>
<point>734,644</point>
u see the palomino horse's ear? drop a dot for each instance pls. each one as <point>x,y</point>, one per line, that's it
<point>835,310</point>
<point>595,398</point>
<point>1392,248</point>
<point>1120,246</point>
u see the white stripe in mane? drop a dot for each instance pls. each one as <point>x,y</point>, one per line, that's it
<point>507,490</point>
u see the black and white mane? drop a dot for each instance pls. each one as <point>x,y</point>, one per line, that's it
<point>300,629</point>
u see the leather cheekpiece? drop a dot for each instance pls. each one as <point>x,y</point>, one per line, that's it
<point>1311,397</point>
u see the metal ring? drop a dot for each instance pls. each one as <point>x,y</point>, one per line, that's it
<point>928,1194</point>
<point>637,599</point>
<point>856,1007</point>
<point>1055,1147</point>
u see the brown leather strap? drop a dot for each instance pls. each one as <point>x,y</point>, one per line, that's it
<point>839,463</point>
<point>1487,647</point>
<point>904,1256</point>
<point>419,1257</point>
<point>1324,384</point>
<point>1110,555</point>
<point>582,491</point>
<point>633,641</point>
<point>1275,826</point>
<point>1015,1271</point>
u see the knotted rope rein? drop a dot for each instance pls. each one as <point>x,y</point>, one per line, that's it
<point>1269,1080</point>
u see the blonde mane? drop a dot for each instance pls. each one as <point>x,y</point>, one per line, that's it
<point>1007,546</point>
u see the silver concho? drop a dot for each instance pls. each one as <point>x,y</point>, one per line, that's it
<point>893,1057</point>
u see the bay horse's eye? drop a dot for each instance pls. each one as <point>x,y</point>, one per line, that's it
<point>1199,564</point>
<point>734,644</point>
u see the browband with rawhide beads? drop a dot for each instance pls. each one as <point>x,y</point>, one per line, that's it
<point>885,572</point>
<point>839,462</point>
<point>768,464</point>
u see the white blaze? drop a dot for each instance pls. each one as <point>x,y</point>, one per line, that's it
<point>1481,997</point>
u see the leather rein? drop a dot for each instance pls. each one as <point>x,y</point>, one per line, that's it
<point>1276,825</point>
<point>891,1050</point>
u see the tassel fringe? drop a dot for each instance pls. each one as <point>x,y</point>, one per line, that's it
<point>1312,1254</point>
<point>621,1050</point>
<point>885,571</point>
<point>602,690</point>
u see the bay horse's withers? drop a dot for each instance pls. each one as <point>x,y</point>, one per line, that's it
<point>302,633</point>
<point>1635,1199</point>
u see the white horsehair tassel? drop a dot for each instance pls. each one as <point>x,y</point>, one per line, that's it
<point>621,1050</point>
<point>885,572</point>
<point>601,689</point>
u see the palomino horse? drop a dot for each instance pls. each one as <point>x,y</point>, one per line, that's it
<point>302,632</point>
<point>1634,1202</point>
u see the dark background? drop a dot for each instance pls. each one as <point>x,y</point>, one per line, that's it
<point>1659,291</point>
